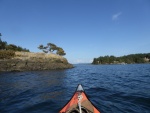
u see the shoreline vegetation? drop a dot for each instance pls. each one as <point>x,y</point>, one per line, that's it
<point>126,59</point>
<point>16,58</point>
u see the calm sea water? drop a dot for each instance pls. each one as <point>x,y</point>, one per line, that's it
<point>112,88</point>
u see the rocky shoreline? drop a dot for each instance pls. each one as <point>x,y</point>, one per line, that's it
<point>34,62</point>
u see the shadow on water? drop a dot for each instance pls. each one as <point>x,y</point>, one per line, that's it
<point>112,88</point>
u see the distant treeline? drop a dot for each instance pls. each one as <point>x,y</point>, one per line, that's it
<point>128,59</point>
<point>5,46</point>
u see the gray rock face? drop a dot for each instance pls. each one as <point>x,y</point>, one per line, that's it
<point>28,61</point>
<point>33,64</point>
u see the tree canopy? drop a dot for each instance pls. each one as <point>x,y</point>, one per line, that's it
<point>5,46</point>
<point>128,59</point>
<point>52,48</point>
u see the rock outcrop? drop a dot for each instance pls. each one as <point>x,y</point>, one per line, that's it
<point>25,61</point>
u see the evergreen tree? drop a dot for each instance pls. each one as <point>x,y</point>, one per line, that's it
<point>50,47</point>
<point>5,46</point>
<point>129,59</point>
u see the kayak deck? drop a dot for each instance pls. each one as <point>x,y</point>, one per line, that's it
<point>79,103</point>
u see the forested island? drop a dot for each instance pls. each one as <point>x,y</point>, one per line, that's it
<point>126,59</point>
<point>16,58</point>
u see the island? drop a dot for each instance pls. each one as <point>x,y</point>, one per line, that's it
<point>16,58</point>
<point>126,59</point>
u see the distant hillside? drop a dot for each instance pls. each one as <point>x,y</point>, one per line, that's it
<point>127,59</point>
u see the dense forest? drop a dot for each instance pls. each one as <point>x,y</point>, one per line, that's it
<point>127,59</point>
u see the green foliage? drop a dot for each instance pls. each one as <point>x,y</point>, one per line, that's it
<point>6,54</point>
<point>129,59</point>
<point>5,46</point>
<point>60,51</point>
<point>50,47</point>
<point>2,45</point>
<point>40,47</point>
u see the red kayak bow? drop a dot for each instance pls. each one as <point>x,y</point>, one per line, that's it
<point>79,103</point>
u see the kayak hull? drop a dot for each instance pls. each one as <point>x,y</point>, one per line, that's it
<point>73,105</point>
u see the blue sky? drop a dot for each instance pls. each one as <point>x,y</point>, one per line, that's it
<point>85,29</point>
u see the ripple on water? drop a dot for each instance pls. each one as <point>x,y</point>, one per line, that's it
<point>111,88</point>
